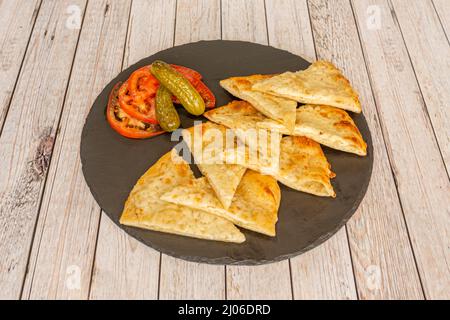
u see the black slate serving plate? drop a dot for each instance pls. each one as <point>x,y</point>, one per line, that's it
<point>112,164</point>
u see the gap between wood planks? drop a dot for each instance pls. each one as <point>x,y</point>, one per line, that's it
<point>440,19</point>
<point>385,146</point>
<point>33,18</point>
<point>347,237</point>
<point>421,100</point>
<point>50,159</point>
<point>426,108</point>
<point>3,121</point>
<point>100,209</point>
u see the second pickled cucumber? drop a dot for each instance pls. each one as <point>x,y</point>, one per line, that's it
<point>179,86</point>
<point>166,114</point>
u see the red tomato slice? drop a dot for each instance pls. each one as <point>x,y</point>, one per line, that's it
<point>140,107</point>
<point>142,84</point>
<point>206,93</point>
<point>137,95</point>
<point>125,125</point>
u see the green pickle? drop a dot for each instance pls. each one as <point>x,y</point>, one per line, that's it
<point>166,114</point>
<point>179,86</point>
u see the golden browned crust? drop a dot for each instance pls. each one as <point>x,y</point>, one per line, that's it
<point>327,125</point>
<point>304,167</point>
<point>144,209</point>
<point>254,207</point>
<point>224,178</point>
<point>332,127</point>
<point>322,83</point>
<point>279,109</point>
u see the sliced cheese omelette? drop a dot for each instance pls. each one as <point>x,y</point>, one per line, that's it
<point>242,118</point>
<point>302,166</point>
<point>207,142</point>
<point>236,115</point>
<point>322,83</point>
<point>329,126</point>
<point>254,207</point>
<point>144,209</point>
<point>277,108</point>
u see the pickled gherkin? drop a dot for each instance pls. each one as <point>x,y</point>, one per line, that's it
<point>166,114</point>
<point>179,86</point>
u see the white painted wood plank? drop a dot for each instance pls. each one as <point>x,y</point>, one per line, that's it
<point>196,20</point>
<point>312,279</point>
<point>382,258</point>
<point>422,181</point>
<point>27,139</point>
<point>246,21</point>
<point>430,54</point>
<point>290,28</point>
<point>62,255</point>
<point>265,282</point>
<point>18,18</point>
<point>181,280</point>
<point>124,267</point>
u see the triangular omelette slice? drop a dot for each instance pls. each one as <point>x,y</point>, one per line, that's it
<point>144,209</point>
<point>322,83</point>
<point>206,141</point>
<point>327,125</point>
<point>237,115</point>
<point>242,118</point>
<point>254,207</point>
<point>303,166</point>
<point>279,109</point>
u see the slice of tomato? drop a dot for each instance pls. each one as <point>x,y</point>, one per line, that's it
<point>142,84</point>
<point>193,76</point>
<point>206,93</point>
<point>137,94</point>
<point>137,105</point>
<point>125,125</point>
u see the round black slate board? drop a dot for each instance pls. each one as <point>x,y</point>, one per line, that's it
<point>112,164</point>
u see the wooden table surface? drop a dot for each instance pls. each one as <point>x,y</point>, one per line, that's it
<point>57,55</point>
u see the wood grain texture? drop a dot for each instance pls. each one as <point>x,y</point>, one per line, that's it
<point>183,280</point>
<point>28,136</point>
<point>124,267</point>
<point>315,266</point>
<point>265,282</point>
<point>18,18</point>
<point>246,21</point>
<point>422,181</point>
<point>63,251</point>
<point>442,8</point>
<point>290,28</point>
<point>430,55</point>
<point>195,20</point>
<point>382,258</point>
